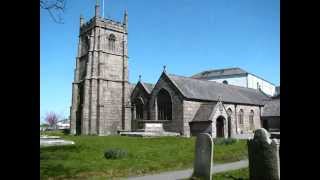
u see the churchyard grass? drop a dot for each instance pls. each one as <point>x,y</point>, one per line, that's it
<point>85,159</point>
<point>239,174</point>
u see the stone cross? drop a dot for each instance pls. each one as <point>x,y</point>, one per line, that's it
<point>203,157</point>
<point>264,158</point>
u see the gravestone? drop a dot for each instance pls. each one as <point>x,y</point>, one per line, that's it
<point>203,157</point>
<point>264,158</point>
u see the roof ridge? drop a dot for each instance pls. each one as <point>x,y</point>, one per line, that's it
<point>221,69</point>
<point>220,84</point>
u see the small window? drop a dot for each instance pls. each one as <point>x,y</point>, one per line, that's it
<point>112,40</point>
<point>251,119</point>
<point>225,82</point>
<point>241,117</point>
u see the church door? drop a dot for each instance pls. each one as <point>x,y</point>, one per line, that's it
<point>220,126</point>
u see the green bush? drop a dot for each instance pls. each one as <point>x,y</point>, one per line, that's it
<point>224,141</point>
<point>66,131</point>
<point>115,153</point>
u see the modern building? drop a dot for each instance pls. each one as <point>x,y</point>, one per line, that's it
<point>238,77</point>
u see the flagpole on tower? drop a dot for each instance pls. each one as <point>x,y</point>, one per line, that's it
<point>103,8</point>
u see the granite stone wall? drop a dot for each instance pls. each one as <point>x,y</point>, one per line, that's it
<point>175,125</point>
<point>104,74</point>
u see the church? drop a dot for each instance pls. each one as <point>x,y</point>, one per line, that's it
<point>104,102</point>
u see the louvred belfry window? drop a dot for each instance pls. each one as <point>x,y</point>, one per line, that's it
<point>112,40</point>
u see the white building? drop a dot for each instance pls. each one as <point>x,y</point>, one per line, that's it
<point>64,124</point>
<point>237,77</point>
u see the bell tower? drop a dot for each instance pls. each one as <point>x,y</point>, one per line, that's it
<point>100,91</point>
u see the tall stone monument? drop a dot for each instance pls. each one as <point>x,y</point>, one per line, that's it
<point>203,157</point>
<point>100,91</point>
<point>264,157</point>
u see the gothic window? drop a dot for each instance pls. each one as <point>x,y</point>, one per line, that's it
<point>164,105</point>
<point>241,117</point>
<point>229,112</point>
<point>112,40</point>
<point>251,119</point>
<point>225,82</point>
<point>139,109</point>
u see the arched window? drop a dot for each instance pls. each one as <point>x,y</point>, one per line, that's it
<point>225,82</point>
<point>164,105</point>
<point>112,40</point>
<point>139,108</point>
<point>229,112</point>
<point>241,117</point>
<point>251,119</point>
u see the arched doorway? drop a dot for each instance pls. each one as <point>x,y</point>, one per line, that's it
<point>220,126</point>
<point>164,105</point>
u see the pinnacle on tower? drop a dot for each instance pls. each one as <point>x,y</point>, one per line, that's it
<point>125,19</point>
<point>81,20</point>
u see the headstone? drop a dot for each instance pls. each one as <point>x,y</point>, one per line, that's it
<point>203,157</point>
<point>264,159</point>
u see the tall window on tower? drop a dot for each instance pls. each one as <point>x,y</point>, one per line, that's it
<point>112,40</point>
<point>164,105</point>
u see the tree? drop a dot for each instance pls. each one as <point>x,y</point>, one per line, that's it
<point>51,118</point>
<point>54,8</point>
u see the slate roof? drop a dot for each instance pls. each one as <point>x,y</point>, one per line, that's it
<point>219,73</point>
<point>148,86</point>
<point>131,87</point>
<point>272,108</point>
<point>210,91</point>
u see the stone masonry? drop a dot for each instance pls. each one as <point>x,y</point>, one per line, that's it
<point>100,91</point>
<point>175,125</point>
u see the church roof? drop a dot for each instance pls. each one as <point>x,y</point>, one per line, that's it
<point>219,73</point>
<point>210,91</point>
<point>131,87</point>
<point>148,86</point>
<point>272,108</point>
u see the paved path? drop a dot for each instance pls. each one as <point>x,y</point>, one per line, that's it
<point>174,175</point>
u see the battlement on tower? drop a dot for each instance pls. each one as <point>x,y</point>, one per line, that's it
<point>103,23</point>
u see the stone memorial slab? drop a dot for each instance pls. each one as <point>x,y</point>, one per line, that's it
<point>264,159</point>
<point>152,127</point>
<point>203,157</point>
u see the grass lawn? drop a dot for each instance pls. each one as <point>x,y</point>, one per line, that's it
<point>85,159</point>
<point>240,174</point>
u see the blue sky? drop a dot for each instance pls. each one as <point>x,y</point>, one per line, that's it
<point>188,36</point>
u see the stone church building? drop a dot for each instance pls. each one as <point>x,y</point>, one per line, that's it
<point>104,102</point>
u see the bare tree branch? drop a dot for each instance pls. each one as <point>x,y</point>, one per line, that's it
<point>55,8</point>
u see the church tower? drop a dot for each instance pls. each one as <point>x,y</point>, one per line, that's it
<point>100,91</point>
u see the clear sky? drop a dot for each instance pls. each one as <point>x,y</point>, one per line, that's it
<point>188,36</point>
